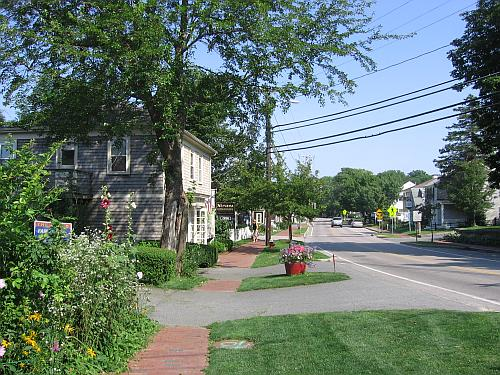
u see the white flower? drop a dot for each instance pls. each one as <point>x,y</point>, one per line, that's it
<point>3,284</point>
<point>133,205</point>
<point>139,275</point>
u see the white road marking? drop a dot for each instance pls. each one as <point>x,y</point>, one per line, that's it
<point>422,283</point>
<point>454,254</point>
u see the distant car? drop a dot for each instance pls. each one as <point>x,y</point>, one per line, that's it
<point>357,224</point>
<point>337,222</point>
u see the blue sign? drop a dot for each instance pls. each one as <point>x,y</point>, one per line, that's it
<point>42,227</point>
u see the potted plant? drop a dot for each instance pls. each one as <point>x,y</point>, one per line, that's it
<point>296,258</point>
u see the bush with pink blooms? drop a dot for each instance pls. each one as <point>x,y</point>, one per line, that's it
<point>297,254</point>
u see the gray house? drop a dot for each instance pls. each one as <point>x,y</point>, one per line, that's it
<point>123,165</point>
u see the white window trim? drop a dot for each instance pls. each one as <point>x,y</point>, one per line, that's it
<point>127,157</point>
<point>59,157</point>
<point>191,168</point>
<point>4,142</point>
<point>200,169</point>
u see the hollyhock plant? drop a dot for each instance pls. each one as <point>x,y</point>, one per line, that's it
<point>297,254</point>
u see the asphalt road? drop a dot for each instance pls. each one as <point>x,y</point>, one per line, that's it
<point>384,275</point>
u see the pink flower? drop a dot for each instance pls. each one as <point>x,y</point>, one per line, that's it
<point>3,284</point>
<point>55,346</point>
<point>2,351</point>
<point>105,203</point>
<point>109,236</point>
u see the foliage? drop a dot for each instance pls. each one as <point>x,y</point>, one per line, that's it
<point>201,255</point>
<point>418,176</point>
<point>66,305</point>
<point>222,228</point>
<point>297,254</point>
<point>156,264</point>
<point>115,66</point>
<point>460,144</point>
<point>467,188</point>
<point>391,183</point>
<point>218,245</point>
<point>283,281</point>
<point>476,54</point>
<point>185,283</point>
<point>355,190</point>
<point>24,197</point>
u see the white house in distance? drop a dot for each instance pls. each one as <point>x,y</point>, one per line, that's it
<point>402,214</point>
<point>122,165</point>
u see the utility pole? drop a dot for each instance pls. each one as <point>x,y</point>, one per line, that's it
<point>268,164</point>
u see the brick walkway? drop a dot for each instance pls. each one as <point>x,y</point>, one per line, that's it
<point>174,351</point>
<point>242,257</point>
<point>184,350</point>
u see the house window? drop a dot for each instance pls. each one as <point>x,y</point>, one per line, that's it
<point>67,157</point>
<point>200,225</point>
<point>5,150</point>
<point>192,166</point>
<point>119,156</point>
<point>200,168</point>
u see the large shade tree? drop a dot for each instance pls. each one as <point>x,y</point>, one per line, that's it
<point>83,65</point>
<point>476,55</point>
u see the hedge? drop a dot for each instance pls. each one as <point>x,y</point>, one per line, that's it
<point>202,255</point>
<point>156,264</point>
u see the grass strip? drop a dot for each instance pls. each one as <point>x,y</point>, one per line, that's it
<point>375,342</point>
<point>185,283</point>
<point>284,281</point>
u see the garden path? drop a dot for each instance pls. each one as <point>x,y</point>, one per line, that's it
<point>184,350</point>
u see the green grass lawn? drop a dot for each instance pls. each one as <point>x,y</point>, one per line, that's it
<point>373,342</point>
<point>301,231</point>
<point>185,283</point>
<point>271,257</point>
<point>284,281</point>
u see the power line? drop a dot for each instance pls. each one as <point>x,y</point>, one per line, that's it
<point>378,102</point>
<point>400,62</point>
<point>391,11</point>
<point>387,131</point>
<point>415,31</point>
<point>385,123</point>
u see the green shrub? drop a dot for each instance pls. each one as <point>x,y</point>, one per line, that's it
<point>222,228</point>
<point>202,255</point>
<point>156,264</point>
<point>219,245</point>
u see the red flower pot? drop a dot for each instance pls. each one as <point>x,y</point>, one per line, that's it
<point>295,268</point>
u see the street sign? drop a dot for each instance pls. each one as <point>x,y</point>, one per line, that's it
<point>380,214</point>
<point>224,208</point>
<point>344,212</point>
<point>392,211</point>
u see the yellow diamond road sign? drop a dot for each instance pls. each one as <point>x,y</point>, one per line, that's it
<point>392,211</point>
<point>344,212</point>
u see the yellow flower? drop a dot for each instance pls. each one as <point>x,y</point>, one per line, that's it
<point>26,353</point>
<point>90,352</point>
<point>32,334</point>
<point>22,365</point>
<point>68,329</point>
<point>6,344</point>
<point>29,339</point>
<point>35,316</point>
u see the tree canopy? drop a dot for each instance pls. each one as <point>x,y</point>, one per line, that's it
<point>476,55</point>
<point>418,176</point>
<point>165,66</point>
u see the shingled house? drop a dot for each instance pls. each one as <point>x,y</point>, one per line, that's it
<point>123,165</point>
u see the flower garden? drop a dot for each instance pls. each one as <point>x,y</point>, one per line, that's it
<point>67,305</point>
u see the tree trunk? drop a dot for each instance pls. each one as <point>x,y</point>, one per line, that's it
<point>175,206</point>
<point>290,232</point>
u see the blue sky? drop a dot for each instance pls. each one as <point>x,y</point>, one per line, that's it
<point>406,150</point>
<point>439,23</point>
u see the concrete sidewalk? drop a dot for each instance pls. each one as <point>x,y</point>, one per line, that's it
<point>184,350</point>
